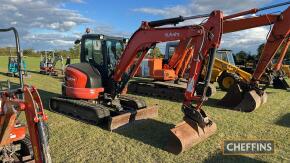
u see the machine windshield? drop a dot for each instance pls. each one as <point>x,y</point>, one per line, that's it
<point>114,50</point>
<point>231,59</point>
<point>226,56</point>
<point>93,51</point>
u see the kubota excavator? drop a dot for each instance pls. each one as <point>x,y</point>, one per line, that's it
<point>15,144</point>
<point>92,88</point>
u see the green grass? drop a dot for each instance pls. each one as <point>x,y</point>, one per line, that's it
<point>74,141</point>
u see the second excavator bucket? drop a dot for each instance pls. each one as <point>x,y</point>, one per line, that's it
<point>123,119</point>
<point>187,134</point>
<point>280,83</point>
<point>241,100</point>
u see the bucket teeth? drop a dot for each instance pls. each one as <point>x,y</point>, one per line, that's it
<point>123,119</point>
<point>187,134</point>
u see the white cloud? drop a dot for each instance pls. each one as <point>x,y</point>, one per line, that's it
<point>109,30</point>
<point>29,16</point>
<point>247,40</point>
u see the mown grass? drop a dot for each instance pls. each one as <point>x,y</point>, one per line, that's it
<point>74,141</point>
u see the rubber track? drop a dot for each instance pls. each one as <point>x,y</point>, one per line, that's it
<point>166,91</point>
<point>86,109</point>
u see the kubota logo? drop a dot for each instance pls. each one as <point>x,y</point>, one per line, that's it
<point>172,34</point>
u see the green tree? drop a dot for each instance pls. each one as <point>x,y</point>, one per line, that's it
<point>155,53</point>
<point>261,47</point>
<point>241,57</point>
<point>260,50</point>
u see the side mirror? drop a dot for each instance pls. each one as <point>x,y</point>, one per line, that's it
<point>77,41</point>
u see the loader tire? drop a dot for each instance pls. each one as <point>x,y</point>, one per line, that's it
<point>226,80</point>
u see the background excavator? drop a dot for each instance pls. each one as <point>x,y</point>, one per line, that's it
<point>248,95</point>
<point>15,144</point>
<point>162,75</point>
<point>13,66</point>
<point>48,63</point>
<point>92,88</point>
<point>164,78</point>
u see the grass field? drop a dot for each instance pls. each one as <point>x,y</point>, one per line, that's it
<point>74,141</point>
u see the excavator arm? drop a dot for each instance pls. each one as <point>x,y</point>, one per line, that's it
<point>206,39</point>
<point>23,99</point>
<point>35,118</point>
<point>199,34</point>
<point>247,96</point>
<point>282,55</point>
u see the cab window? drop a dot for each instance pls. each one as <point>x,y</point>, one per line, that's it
<point>93,51</point>
<point>114,50</point>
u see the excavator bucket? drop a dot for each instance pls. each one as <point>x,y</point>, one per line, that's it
<point>280,83</point>
<point>239,100</point>
<point>123,119</point>
<point>187,134</point>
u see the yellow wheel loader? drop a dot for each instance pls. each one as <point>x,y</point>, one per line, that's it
<point>225,72</point>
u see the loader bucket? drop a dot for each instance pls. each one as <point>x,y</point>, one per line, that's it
<point>187,134</point>
<point>280,83</point>
<point>123,119</point>
<point>238,100</point>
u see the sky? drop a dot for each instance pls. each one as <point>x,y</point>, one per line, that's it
<point>55,24</point>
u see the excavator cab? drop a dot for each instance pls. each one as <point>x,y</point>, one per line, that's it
<point>102,52</point>
<point>226,55</point>
<point>87,89</point>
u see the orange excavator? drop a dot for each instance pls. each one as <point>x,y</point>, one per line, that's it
<point>161,84</point>
<point>92,89</point>
<point>247,96</point>
<point>279,81</point>
<point>164,77</point>
<point>15,144</point>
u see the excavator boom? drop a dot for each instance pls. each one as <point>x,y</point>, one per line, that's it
<point>247,96</point>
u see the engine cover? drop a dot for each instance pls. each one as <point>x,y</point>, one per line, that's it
<point>82,81</point>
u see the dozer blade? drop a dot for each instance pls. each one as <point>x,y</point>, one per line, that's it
<point>280,83</point>
<point>123,119</point>
<point>187,134</point>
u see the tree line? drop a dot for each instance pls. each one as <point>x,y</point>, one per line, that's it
<point>241,57</point>
<point>73,52</point>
